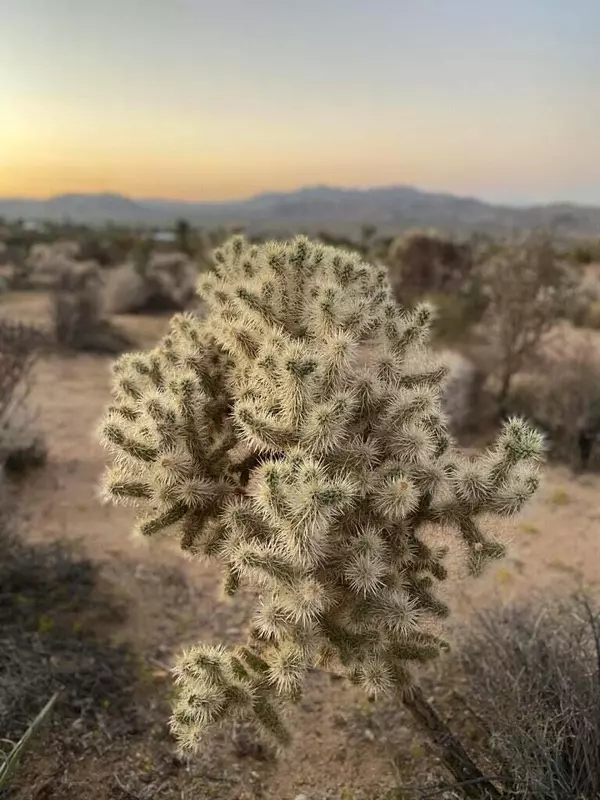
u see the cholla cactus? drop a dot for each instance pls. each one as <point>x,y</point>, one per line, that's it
<point>295,435</point>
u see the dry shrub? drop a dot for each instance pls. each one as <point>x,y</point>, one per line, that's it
<point>78,316</point>
<point>461,391</point>
<point>45,263</point>
<point>528,288</point>
<point>562,394</point>
<point>424,262</point>
<point>586,251</point>
<point>533,677</point>
<point>424,265</point>
<point>586,309</point>
<point>457,314</point>
<point>162,282</point>
<point>48,591</point>
<point>6,269</point>
<point>590,317</point>
<point>14,269</point>
<point>20,445</point>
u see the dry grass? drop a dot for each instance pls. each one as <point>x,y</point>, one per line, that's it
<point>533,681</point>
<point>20,446</point>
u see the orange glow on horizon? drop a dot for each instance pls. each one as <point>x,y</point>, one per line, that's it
<point>207,101</point>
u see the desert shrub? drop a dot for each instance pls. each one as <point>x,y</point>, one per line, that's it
<point>185,235</point>
<point>14,267</point>
<point>78,317</point>
<point>533,676</point>
<point>456,314</point>
<point>586,306</point>
<point>20,444</point>
<point>528,288</point>
<point>46,262</point>
<point>586,251</point>
<point>561,393</point>
<point>50,599</point>
<point>423,262</point>
<point>98,248</point>
<point>156,282</point>
<point>461,396</point>
<point>591,316</point>
<point>426,266</point>
<point>257,437</point>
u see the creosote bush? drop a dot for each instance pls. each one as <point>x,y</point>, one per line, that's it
<point>262,437</point>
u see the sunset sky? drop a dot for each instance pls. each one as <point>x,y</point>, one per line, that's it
<point>214,100</point>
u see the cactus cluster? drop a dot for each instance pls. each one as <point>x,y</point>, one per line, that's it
<point>295,435</point>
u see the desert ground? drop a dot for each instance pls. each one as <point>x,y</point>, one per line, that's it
<point>150,602</point>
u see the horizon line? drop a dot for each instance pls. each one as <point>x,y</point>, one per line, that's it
<point>297,189</point>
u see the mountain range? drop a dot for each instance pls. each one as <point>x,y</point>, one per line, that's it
<point>391,209</point>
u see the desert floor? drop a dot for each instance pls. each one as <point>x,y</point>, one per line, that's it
<point>151,602</point>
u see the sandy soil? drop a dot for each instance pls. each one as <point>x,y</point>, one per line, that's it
<point>342,746</point>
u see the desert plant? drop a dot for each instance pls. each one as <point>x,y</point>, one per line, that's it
<point>11,761</point>
<point>427,266</point>
<point>15,267</point>
<point>183,232</point>
<point>528,288</point>
<point>423,262</point>
<point>48,590</point>
<point>461,397</point>
<point>585,251</point>
<point>585,312</point>
<point>568,410</point>
<point>106,248</point>
<point>264,440</point>
<point>78,318</point>
<point>366,242</point>
<point>20,445</point>
<point>154,282</point>
<point>45,262</point>
<point>533,673</point>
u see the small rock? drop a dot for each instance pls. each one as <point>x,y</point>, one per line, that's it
<point>301,797</point>
<point>369,735</point>
<point>341,754</point>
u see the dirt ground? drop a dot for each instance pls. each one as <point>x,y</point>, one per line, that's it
<point>343,747</point>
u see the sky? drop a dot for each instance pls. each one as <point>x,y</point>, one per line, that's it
<point>200,100</point>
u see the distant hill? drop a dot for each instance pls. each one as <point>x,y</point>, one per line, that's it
<point>392,209</point>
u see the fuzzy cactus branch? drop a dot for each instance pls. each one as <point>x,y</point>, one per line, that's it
<point>295,435</point>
